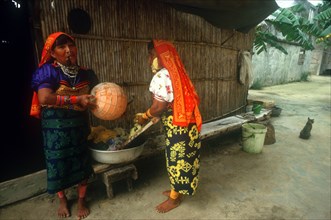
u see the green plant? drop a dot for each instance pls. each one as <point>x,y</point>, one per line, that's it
<point>305,76</point>
<point>257,85</point>
<point>262,39</point>
<point>295,27</point>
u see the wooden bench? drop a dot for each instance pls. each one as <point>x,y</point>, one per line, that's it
<point>113,173</point>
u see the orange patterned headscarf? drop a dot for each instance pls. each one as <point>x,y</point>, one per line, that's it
<point>186,100</point>
<point>45,56</point>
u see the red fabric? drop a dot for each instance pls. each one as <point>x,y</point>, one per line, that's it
<point>60,194</point>
<point>45,56</point>
<point>82,190</point>
<point>186,100</point>
<point>73,99</point>
<point>35,107</point>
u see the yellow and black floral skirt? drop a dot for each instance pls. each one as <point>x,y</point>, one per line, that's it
<point>182,155</point>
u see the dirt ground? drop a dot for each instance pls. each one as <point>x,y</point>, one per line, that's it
<point>290,179</point>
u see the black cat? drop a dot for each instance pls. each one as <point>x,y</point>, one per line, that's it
<point>305,132</point>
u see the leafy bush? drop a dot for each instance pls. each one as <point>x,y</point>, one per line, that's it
<point>257,85</point>
<point>295,26</point>
<point>305,76</point>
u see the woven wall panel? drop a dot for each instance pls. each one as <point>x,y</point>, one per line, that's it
<point>116,49</point>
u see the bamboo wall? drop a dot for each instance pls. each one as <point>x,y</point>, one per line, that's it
<point>116,49</point>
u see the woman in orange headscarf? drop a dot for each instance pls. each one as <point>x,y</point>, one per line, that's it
<point>176,102</point>
<point>61,99</point>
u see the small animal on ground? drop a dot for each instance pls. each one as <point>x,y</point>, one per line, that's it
<point>305,132</point>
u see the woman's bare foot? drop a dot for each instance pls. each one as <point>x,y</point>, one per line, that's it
<point>83,211</point>
<point>63,211</point>
<point>168,205</point>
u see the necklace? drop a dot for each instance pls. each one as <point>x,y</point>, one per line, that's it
<point>71,72</point>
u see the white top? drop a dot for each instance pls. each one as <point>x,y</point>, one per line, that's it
<point>161,86</point>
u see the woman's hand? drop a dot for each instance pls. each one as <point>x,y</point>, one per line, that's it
<point>140,119</point>
<point>86,101</point>
<point>152,113</point>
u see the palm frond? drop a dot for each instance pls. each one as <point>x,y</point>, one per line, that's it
<point>323,16</point>
<point>295,27</point>
<point>264,38</point>
<point>326,32</point>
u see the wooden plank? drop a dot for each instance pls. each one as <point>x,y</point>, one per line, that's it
<point>230,123</point>
<point>220,127</point>
<point>23,187</point>
<point>101,167</point>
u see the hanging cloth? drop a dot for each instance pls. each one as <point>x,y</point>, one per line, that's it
<point>245,71</point>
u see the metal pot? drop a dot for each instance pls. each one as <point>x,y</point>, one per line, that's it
<point>118,156</point>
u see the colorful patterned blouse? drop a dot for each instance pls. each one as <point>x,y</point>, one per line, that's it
<point>161,86</point>
<point>51,76</point>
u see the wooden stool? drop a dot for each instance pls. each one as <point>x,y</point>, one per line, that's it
<point>128,171</point>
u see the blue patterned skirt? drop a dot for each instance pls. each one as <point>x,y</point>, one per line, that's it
<point>66,150</point>
<point>182,155</point>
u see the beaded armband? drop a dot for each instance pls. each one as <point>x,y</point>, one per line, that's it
<point>148,113</point>
<point>144,116</point>
<point>65,100</point>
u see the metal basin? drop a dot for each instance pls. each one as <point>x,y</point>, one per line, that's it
<point>118,156</point>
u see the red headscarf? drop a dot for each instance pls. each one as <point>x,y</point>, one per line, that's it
<point>186,100</point>
<point>45,56</point>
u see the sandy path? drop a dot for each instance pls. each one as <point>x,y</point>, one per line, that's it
<point>289,180</point>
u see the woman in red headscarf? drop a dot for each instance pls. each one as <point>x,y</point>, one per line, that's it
<point>61,100</point>
<point>176,102</point>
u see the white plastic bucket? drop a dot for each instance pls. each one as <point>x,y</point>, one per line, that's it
<point>253,136</point>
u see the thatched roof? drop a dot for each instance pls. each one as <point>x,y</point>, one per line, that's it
<point>240,15</point>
